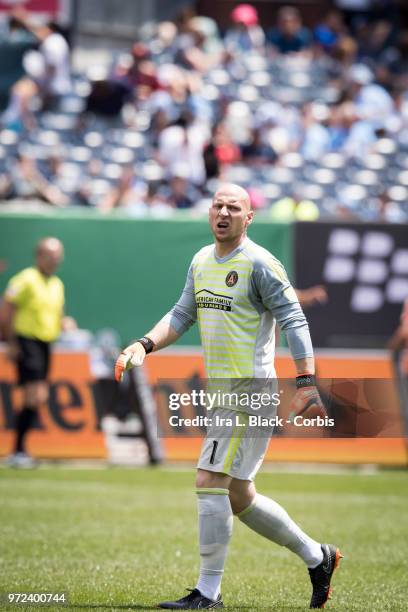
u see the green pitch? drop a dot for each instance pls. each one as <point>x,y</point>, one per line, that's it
<point>119,539</point>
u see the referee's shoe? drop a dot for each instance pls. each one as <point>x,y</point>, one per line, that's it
<point>321,575</point>
<point>193,601</point>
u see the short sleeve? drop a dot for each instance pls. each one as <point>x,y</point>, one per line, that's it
<point>18,289</point>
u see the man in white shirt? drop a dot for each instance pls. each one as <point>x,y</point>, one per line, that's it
<point>55,51</point>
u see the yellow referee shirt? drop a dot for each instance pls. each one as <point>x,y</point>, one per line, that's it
<point>39,302</point>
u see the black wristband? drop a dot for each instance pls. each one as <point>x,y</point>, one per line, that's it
<point>305,380</point>
<point>147,344</point>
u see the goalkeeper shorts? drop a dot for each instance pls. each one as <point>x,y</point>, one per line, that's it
<point>233,446</point>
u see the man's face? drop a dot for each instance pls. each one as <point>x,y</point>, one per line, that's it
<point>229,216</point>
<point>49,258</point>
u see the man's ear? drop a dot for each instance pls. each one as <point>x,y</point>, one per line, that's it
<point>250,217</point>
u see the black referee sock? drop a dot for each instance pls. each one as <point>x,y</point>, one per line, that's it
<point>24,422</point>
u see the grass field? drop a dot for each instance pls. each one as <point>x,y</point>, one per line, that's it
<point>120,539</point>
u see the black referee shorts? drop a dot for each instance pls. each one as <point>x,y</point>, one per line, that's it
<point>33,361</point>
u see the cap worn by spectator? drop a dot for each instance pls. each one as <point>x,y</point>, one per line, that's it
<point>246,14</point>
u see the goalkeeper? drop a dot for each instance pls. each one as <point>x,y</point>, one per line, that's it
<point>237,291</point>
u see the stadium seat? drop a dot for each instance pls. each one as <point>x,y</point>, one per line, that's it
<point>94,139</point>
<point>8,138</point>
<point>48,138</point>
<point>152,171</point>
<point>398,193</point>
<point>112,172</point>
<point>79,154</point>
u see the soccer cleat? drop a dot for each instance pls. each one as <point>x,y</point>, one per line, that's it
<point>21,460</point>
<point>321,575</point>
<point>193,601</point>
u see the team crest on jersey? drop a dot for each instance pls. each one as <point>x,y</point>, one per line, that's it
<point>231,278</point>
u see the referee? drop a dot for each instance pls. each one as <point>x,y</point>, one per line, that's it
<point>33,309</point>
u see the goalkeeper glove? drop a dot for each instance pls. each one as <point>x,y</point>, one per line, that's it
<point>123,363</point>
<point>132,356</point>
<point>307,401</point>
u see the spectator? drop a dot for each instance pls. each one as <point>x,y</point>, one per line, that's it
<point>398,65</point>
<point>47,74</point>
<point>159,121</point>
<point>174,92</point>
<point>183,142</point>
<point>289,36</point>
<point>83,194</point>
<point>140,75</point>
<point>316,135</point>
<point>106,96</point>
<point>28,183</point>
<point>211,163</point>
<point>15,41</point>
<point>14,31</point>
<point>329,32</point>
<point>130,193</point>
<point>181,193</point>
<point>344,55</point>
<point>371,102</point>
<point>245,34</point>
<point>52,64</point>
<point>280,126</point>
<point>376,47</point>
<point>226,151</point>
<point>191,54</point>
<point>56,82</point>
<point>19,116</point>
<point>257,152</point>
<point>208,27</point>
<point>294,208</point>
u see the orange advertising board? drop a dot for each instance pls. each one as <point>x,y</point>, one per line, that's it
<point>69,424</point>
<point>187,364</point>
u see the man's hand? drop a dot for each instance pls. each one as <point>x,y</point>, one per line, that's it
<point>307,403</point>
<point>312,296</point>
<point>132,356</point>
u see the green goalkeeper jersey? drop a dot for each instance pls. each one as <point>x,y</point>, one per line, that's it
<point>237,301</point>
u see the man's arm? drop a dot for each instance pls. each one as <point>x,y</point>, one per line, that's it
<point>305,365</point>
<point>15,296</point>
<point>279,297</point>
<point>162,335</point>
<point>7,313</point>
<point>180,318</point>
<point>7,317</point>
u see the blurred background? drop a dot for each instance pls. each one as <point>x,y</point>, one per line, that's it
<point>117,122</point>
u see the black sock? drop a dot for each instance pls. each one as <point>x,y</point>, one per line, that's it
<point>24,422</point>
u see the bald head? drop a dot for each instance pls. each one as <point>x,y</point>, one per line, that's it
<point>49,254</point>
<point>229,217</point>
<point>49,244</point>
<point>234,192</point>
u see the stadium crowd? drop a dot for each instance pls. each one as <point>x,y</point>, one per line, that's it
<point>314,122</point>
